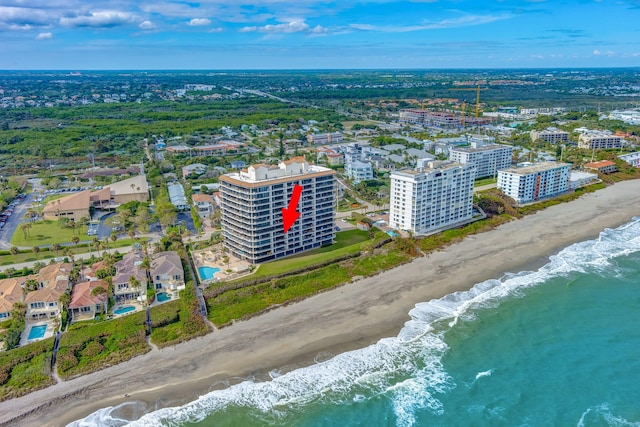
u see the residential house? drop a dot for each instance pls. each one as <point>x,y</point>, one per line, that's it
<point>10,293</point>
<point>127,268</point>
<point>85,302</point>
<point>193,169</point>
<point>204,204</point>
<point>53,281</point>
<point>167,273</point>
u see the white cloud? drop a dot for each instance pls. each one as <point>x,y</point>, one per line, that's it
<point>216,30</point>
<point>103,18</point>
<point>199,22</point>
<point>44,36</point>
<point>17,27</point>
<point>146,25</point>
<point>462,21</point>
<point>23,16</point>
<point>296,26</point>
<point>597,52</point>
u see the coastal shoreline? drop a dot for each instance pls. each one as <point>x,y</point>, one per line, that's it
<point>346,318</point>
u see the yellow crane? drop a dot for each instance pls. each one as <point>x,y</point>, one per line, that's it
<point>477,90</point>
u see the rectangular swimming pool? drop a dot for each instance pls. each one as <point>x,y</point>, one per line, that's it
<point>37,332</point>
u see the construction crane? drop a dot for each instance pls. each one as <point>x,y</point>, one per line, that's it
<point>477,90</point>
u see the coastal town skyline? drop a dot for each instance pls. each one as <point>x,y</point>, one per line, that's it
<point>313,34</point>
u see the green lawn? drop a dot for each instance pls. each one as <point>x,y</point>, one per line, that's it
<point>347,242</point>
<point>485,181</point>
<point>25,369</point>
<point>46,233</point>
<point>45,255</point>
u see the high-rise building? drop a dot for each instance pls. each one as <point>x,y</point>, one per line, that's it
<point>432,198</point>
<point>487,158</point>
<point>251,208</point>
<point>535,182</point>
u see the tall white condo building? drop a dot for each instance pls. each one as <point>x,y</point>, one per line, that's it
<point>432,198</point>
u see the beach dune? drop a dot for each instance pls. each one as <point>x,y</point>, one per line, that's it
<point>349,317</point>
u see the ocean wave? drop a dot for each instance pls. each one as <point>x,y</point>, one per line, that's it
<point>407,368</point>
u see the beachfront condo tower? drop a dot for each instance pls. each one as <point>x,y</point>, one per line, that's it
<point>487,158</point>
<point>431,198</point>
<point>535,182</point>
<point>251,206</point>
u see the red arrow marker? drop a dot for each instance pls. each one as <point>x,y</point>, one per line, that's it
<point>289,215</point>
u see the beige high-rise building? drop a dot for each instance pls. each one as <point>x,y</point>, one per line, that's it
<point>251,208</point>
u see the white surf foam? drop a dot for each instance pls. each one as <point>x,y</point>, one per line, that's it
<point>407,368</point>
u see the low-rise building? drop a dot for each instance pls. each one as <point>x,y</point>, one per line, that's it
<point>86,303</point>
<point>325,138</point>
<point>74,206</point>
<point>632,158</point>
<point>129,282</point>
<point>580,179</point>
<point>167,273</point>
<point>177,196</point>
<point>193,169</point>
<point>10,293</point>
<point>536,182</point>
<point>599,140</point>
<point>359,171</point>
<point>204,204</point>
<point>550,134</point>
<point>436,197</point>
<point>602,166</point>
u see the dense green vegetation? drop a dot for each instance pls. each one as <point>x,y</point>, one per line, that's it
<point>248,301</point>
<point>25,369</point>
<point>90,346</point>
<point>39,134</point>
<point>178,321</point>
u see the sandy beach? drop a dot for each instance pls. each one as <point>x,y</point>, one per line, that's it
<point>349,317</point>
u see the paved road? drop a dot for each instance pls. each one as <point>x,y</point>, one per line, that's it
<point>14,221</point>
<point>87,255</point>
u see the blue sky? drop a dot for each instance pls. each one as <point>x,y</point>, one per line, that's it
<point>318,34</point>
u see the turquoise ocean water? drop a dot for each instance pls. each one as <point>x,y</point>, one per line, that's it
<point>559,346</point>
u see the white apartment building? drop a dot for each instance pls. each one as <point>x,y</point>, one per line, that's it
<point>431,198</point>
<point>359,171</point>
<point>487,159</point>
<point>534,182</point>
<point>251,208</point>
<point>632,158</point>
<point>325,138</point>
<point>599,140</point>
<point>550,134</point>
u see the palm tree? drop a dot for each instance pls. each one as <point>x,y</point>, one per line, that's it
<point>75,240</point>
<point>35,249</point>
<point>55,247</point>
<point>14,251</point>
<point>24,227</point>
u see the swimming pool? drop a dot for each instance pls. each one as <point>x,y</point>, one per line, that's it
<point>392,233</point>
<point>37,332</point>
<point>163,296</point>
<point>207,273</point>
<point>124,309</point>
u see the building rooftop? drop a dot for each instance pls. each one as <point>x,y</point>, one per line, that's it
<point>488,147</point>
<point>538,167</point>
<point>599,164</point>
<point>72,202</point>
<point>262,174</point>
